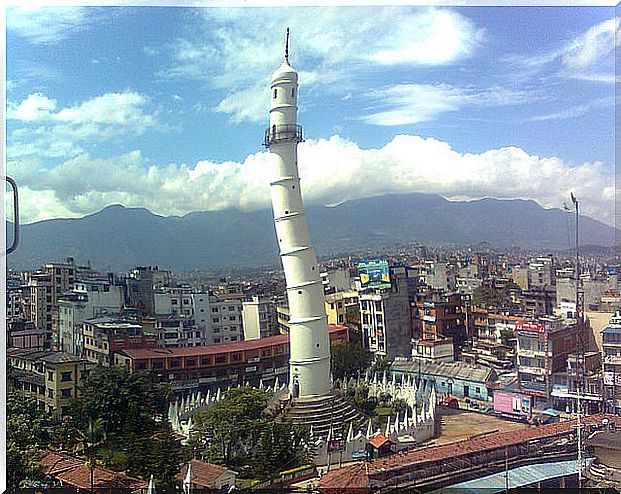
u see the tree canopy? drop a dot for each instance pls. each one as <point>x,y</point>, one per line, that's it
<point>236,432</point>
<point>348,358</point>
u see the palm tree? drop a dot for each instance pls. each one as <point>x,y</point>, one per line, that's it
<point>90,439</point>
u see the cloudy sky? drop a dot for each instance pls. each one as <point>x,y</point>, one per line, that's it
<point>165,108</point>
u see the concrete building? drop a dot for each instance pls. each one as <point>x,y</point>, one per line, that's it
<point>259,318</point>
<point>439,275</point>
<point>386,320</point>
<point>336,280</point>
<point>226,324</point>
<point>543,346</point>
<point>340,305</point>
<point>519,275</point>
<point>104,337</point>
<point>89,299</point>
<point>220,366</point>
<point>52,378</point>
<point>611,350</point>
<point>434,350</point>
<point>541,272</point>
<point>452,378</point>
<point>438,317</point>
<point>142,283</point>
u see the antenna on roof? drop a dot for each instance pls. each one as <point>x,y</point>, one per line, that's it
<point>287,46</point>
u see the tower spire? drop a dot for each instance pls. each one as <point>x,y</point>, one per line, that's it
<point>287,46</point>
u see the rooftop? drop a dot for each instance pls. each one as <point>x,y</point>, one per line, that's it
<point>48,356</point>
<point>203,474</point>
<point>456,370</point>
<point>359,474</point>
<point>73,471</point>
<point>216,349</point>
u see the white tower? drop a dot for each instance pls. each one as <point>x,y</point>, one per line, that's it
<point>309,364</point>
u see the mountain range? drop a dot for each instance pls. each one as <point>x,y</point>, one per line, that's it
<point>118,238</point>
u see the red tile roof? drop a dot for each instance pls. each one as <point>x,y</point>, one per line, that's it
<point>203,474</point>
<point>75,473</point>
<point>216,349</point>
<point>378,441</point>
<point>382,466</point>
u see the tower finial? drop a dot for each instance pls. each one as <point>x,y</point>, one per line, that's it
<point>287,46</point>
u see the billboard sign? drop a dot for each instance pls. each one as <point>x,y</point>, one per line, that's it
<point>530,327</point>
<point>374,274</point>
<point>513,403</point>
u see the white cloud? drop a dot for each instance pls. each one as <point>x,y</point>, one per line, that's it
<point>332,170</point>
<point>241,47</point>
<point>575,111</point>
<point>589,56</point>
<point>593,46</point>
<point>413,103</point>
<point>60,133</point>
<point>35,107</point>
<point>46,24</point>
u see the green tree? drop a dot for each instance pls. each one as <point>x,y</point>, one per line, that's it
<point>124,402</point>
<point>90,439</point>
<point>29,433</point>
<point>379,366</point>
<point>231,426</point>
<point>348,358</point>
<point>281,446</point>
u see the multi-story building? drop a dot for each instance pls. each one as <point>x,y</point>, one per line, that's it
<point>539,301</point>
<point>582,372</point>
<point>142,283</point>
<point>541,272</point>
<point>89,299</point>
<point>438,317</point>
<point>23,334</point>
<point>178,332</point>
<point>220,366</point>
<point>543,346</point>
<point>104,337</point>
<point>386,320</point>
<point>339,305</point>
<point>611,350</point>
<point>434,350</point>
<point>439,275</point>
<point>52,378</point>
<point>259,318</point>
<point>226,318</point>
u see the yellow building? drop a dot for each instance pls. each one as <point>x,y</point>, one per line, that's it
<point>52,378</point>
<point>337,305</point>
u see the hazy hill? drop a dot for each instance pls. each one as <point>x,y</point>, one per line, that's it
<point>119,237</point>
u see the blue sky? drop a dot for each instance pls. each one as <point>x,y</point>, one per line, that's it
<point>164,107</point>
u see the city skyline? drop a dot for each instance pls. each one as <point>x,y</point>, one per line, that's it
<point>465,102</point>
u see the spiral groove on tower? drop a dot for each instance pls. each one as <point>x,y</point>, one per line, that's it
<point>309,340</point>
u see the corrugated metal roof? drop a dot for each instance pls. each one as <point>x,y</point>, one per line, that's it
<point>456,370</point>
<point>518,477</point>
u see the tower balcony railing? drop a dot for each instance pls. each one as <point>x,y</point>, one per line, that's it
<point>282,133</point>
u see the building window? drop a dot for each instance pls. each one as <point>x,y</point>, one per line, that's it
<point>477,390</point>
<point>65,376</point>
<point>215,319</point>
<point>158,365</point>
<point>220,359</point>
<point>231,307</point>
<point>175,362</point>
<point>190,363</point>
<point>141,366</point>
<point>173,302</point>
<point>293,92</point>
<point>233,338</point>
<point>50,376</point>
<point>216,340</point>
<point>214,309</point>
<point>275,92</point>
<point>66,393</point>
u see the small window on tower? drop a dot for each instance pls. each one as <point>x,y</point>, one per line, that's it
<point>275,92</point>
<point>293,92</point>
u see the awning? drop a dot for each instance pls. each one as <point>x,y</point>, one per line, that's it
<point>518,477</point>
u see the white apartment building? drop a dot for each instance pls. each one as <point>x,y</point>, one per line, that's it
<point>259,318</point>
